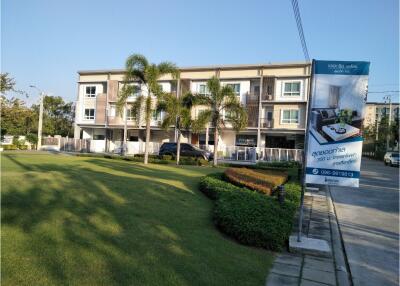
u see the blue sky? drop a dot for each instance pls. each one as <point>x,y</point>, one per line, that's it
<point>45,42</point>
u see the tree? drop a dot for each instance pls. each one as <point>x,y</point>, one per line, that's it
<point>7,83</point>
<point>58,116</point>
<point>177,114</point>
<point>16,117</point>
<point>138,69</point>
<point>219,100</point>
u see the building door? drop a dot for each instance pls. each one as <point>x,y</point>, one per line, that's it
<point>195,139</point>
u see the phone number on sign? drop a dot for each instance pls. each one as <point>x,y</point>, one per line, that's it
<point>337,173</point>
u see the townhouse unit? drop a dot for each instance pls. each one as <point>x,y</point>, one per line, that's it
<point>274,95</point>
<point>375,111</point>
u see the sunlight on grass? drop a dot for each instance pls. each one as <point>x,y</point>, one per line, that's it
<point>90,221</point>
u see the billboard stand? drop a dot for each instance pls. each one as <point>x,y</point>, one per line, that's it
<point>304,161</point>
<point>333,139</point>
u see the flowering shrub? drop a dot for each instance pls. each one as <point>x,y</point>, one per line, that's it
<point>263,181</point>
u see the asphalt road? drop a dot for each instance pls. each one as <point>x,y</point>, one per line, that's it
<point>369,222</point>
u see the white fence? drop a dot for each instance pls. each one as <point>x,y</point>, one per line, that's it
<point>253,154</point>
<point>225,153</point>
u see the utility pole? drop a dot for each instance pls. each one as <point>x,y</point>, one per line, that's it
<point>389,98</point>
<point>41,99</point>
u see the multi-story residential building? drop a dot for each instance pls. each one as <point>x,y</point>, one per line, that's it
<point>375,111</point>
<point>275,96</point>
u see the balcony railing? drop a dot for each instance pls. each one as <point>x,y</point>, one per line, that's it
<point>267,97</point>
<point>266,123</point>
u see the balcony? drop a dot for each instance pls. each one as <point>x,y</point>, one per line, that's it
<point>252,98</point>
<point>267,97</point>
<point>266,123</point>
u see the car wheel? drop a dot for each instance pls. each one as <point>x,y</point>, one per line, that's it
<point>386,163</point>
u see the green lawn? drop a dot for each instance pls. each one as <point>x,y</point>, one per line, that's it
<point>70,220</point>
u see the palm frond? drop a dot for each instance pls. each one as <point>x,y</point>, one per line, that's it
<point>168,68</point>
<point>136,66</point>
<point>202,120</point>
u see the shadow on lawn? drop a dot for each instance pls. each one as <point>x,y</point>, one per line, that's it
<point>120,221</point>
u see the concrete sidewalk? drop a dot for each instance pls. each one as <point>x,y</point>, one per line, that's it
<point>304,269</point>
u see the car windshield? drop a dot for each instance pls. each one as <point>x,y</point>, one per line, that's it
<point>196,148</point>
<point>395,155</point>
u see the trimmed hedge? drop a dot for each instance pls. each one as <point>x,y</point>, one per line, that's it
<point>155,159</point>
<point>254,219</point>
<point>213,186</point>
<point>250,217</point>
<point>257,180</point>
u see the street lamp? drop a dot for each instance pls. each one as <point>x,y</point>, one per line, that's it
<point>41,94</point>
<point>389,99</point>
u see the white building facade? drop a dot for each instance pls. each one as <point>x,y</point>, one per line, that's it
<point>274,95</point>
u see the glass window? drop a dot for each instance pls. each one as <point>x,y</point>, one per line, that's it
<point>130,114</point>
<point>112,110</point>
<point>292,89</point>
<point>203,89</point>
<point>89,113</point>
<point>156,116</point>
<point>235,87</point>
<point>290,116</point>
<point>90,91</point>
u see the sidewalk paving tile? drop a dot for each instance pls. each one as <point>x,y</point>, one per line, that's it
<point>319,276</point>
<point>279,280</point>
<point>286,269</point>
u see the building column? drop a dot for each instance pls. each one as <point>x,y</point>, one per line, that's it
<point>260,109</point>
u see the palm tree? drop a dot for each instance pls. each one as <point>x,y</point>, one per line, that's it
<point>138,69</point>
<point>220,99</point>
<point>177,113</point>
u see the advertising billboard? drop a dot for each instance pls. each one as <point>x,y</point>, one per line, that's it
<point>335,120</point>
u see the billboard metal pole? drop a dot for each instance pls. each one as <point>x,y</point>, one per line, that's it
<point>304,163</point>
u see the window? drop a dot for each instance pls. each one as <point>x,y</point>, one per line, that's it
<point>156,116</point>
<point>235,87</point>
<point>89,113</point>
<point>291,88</point>
<point>290,116</point>
<point>203,89</point>
<point>112,110</point>
<point>130,114</point>
<point>98,137</point>
<point>90,91</point>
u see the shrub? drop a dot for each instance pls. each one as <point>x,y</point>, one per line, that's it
<point>23,147</point>
<point>254,219</point>
<point>250,217</point>
<point>9,147</point>
<point>213,186</point>
<point>257,180</point>
<point>284,165</point>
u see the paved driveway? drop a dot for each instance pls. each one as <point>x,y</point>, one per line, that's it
<point>369,222</point>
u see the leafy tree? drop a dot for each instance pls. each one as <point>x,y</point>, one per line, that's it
<point>58,116</point>
<point>177,114</point>
<point>138,69</point>
<point>16,117</point>
<point>7,83</point>
<point>220,99</point>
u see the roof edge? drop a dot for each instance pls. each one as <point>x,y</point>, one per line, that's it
<point>209,67</point>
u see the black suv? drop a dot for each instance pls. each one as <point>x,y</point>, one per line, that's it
<point>187,150</point>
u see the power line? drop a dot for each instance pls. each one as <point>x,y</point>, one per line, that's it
<point>386,91</point>
<point>297,17</point>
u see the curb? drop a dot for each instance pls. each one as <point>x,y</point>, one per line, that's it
<point>343,274</point>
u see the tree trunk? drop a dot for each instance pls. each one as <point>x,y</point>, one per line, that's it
<point>124,146</point>
<point>146,146</point>
<point>178,147</point>
<point>215,146</point>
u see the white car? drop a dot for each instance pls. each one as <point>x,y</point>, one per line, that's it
<point>391,158</point>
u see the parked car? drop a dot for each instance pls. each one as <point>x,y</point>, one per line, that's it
<point>186,150</point>
<point>391,158</point>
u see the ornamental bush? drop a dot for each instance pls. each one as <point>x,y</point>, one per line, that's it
<point>263,181</point>
<point>250,217</point>
<point>254,219</point>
